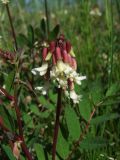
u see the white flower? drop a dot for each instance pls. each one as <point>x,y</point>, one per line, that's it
<point>40,70</point>
<point>44,88</point>
<point>76,98</point>
<point>5,1</point>
<point>95,12</point>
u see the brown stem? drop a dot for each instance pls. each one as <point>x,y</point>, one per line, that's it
<point>12,28</point>
<point>25,150</point>
<point>56,129</point>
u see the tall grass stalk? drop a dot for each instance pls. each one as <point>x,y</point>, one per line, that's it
<point>109,20</point>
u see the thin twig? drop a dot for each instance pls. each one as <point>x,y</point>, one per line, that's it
<point>56,129</point>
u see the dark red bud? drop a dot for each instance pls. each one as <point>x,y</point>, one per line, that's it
<point>65,57</point>
<point>54,61</point>
<point>44,53</point>
<point>74,64</point>
<point>68,46</point>
<point>52,46</point>
<point>70,60</point>
<point>58,53</point>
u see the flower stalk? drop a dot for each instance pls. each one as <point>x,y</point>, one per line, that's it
<point>56,129</point>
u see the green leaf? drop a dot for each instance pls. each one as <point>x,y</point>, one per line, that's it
<point>22,40</point>
<point>72,123</point>
<point>35,110</point>
<point>28,121</point>
<point>54,33</point>
<point>85,108</point>
<point>30,35</point>
<point>7,119</point>
<point>114,88</point>
<point>43,26</point>
<point>8,152</point>
<point>39,151</point>
<point>62,146</point>
<point>105,117</point>
<point>91,143</point>
<point>96,92</point>
<point>9,81</point>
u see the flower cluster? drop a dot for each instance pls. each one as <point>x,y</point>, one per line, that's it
<point>6,55</point>
<point>62,71</point>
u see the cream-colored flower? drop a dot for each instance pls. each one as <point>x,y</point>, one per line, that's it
<point>95,12</point>
<point>41,70</point>
<point>5,1</point>
<point>76,98</point>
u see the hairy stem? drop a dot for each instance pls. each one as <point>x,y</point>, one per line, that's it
<point>12,28</point>
<point>56,129</point>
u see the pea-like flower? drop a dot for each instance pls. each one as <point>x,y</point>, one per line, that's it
<point>62,68</point>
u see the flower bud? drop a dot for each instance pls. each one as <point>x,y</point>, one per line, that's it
<point>58,53</point>
<point>54,61</point>
<point>68,46</point>
<point>65,56</point>
<point>69,59</point>
<point>44,53</point>
<point>52,46</point>
<point>74,63</point>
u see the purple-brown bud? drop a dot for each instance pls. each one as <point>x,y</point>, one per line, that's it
<point>74,64</point>
<point>54,61</point>
<point>70,60</point>
<point>44,53</point>
<point>52,46</point>
<point>58,53</point>
<point>68,46</point>
<point>65,57</point>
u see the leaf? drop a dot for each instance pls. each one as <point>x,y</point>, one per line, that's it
<point>105,117</point>
<point>22,40</point>
<point>85,108</point>
<point>9,81</point>
<point>30,35</point>
<point>72,123</point>
<point>35,110</point>
<point>8,152</point>
<point>114,88</point>
<point>43,26</point>
<point>39,151</point>
<point>93,143</point>
<point>96,92</point>
<point>62,146</point>
<point>28,121</point>
<point>54,33</point>
<point>7,119</point>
